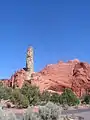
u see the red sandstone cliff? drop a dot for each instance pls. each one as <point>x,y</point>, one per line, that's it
<point>73,74</point>
<point>16,80</point>
<point>55,77</point>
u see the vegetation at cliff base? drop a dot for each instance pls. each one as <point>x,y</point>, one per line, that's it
<point>49,111</point>
<point>86,99</point>
<point>20,100</point>
<point>45,96</point>
<point>40,106</point>
<point>55,98</point>
<point>30,95</point>
<point>5,92</point>
<point>69,98</point>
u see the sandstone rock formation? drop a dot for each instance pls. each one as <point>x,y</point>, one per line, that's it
<point>73,74</point>
<point>29,63</point>
<point>54,77</point>
<point>81,78</point>
<point>21,75</point>
<point>16,80</point>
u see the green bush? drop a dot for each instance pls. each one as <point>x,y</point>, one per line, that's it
<point>69,98</point>
<point>86,99</point>
<point>16,96</point>
<point>55,98</point>
<point>48,112</point>
<point>20,100</point>
<point>66,98</point>
<point>5,92</point>
<point>45,96</point>
<point>24,103</point>
<point>31,115</point>
<point>32,93</point>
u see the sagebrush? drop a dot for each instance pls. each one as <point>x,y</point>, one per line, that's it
<point>48,112</point>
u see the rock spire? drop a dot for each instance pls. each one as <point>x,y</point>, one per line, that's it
<point>29,63</point>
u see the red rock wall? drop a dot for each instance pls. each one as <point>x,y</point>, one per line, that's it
<point>56,77</point>
<point>73,74</point>
<point>16,80</point>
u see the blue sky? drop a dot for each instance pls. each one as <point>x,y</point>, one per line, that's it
<point>57,29</point>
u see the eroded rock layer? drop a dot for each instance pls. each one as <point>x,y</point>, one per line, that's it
<point>55,77</point>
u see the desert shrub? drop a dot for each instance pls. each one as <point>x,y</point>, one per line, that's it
<point>86,99</point>
<point>32,93</point>
<point>31,115</point>
<point>23,103</point>
<point>69,98</point>
<point>16,95</point>
<point>48,112</point>
<point>45,96</point>
<point>5,92</point>
<point>7,115</point>
<point>55,98</point>
<point>20,100</point>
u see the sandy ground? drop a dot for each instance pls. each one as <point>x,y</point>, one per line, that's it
<point>19,113</point>
<point>86,115</point>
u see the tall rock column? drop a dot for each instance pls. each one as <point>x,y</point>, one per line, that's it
<point>29,63</point>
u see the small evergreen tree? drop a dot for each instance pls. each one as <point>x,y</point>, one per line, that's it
<point>5,92</point>
<point>45,96</point>
<point>32,93</point>
<point>69,98</point>
<point>20,100</point>
<point>55,98</point>
<point>86,99</point>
